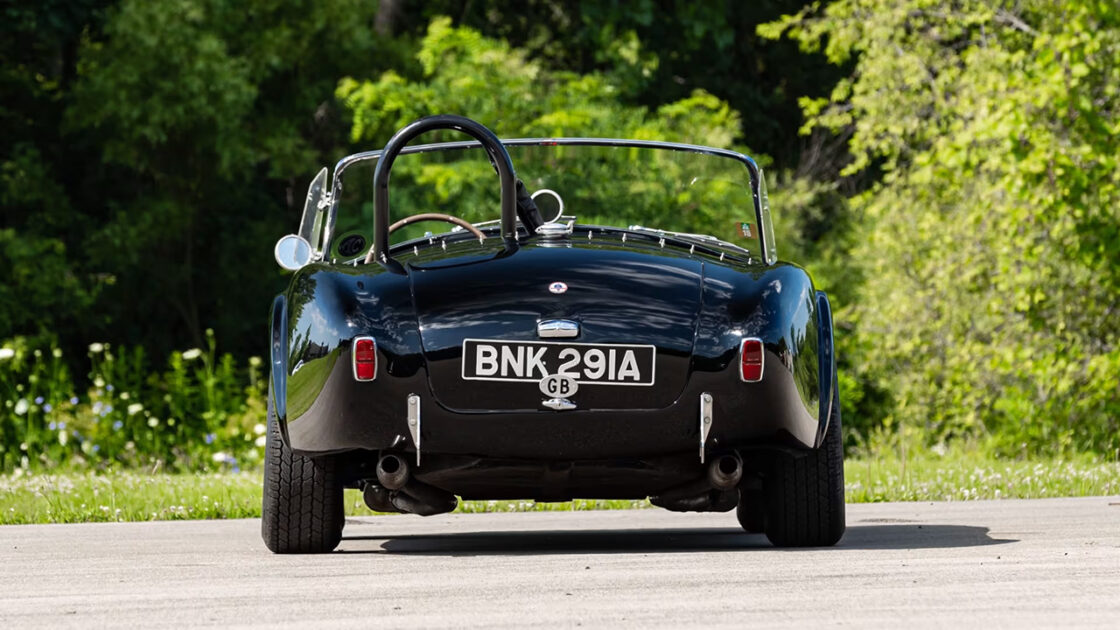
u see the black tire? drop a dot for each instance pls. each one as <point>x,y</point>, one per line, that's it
<point>302,509</point>
<point>805,494</point>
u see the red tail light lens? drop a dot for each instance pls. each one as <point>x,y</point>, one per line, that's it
<point>365,359</point>
<point>751,360</point>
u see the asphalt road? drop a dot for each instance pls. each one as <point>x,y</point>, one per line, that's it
<point>988,564</point>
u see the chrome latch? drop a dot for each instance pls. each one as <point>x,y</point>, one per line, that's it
<point>553,328</point>
<point>705,421</point>
<point>414,422</point>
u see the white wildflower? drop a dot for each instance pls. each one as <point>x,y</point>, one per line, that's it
<point>63,436</point>
<point>192,354</point>
<point>56,353</point>
<point>22,406</point>
<point>153,422</point>
<point>261,441</point>
<point>124,396</point>
<point>258,429</point>
<point>7,353</point>
<point>219,457</point>
<point>135,408</point>
<point>254,361</point>
<point>94,348</point>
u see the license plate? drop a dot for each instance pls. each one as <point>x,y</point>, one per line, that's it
<point>530,361</point>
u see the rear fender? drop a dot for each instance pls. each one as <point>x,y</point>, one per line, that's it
<point>326,409</point>
<point>780,306</point>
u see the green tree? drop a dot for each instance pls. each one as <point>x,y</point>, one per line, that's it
<point>990,246</point>
<point>43,291</point>
<point>465,72</point>
<point>661,51</point>
<point>168,146</point>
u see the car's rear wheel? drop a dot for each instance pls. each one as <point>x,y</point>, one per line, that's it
<point>805,494</point>
<point>302,510</point>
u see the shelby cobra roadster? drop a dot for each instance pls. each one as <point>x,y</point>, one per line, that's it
<point>549,353</point>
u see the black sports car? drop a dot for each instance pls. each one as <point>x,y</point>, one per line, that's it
<point>540,357</point>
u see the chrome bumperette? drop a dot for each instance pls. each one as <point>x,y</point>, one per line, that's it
<point>705,422</point>
<point>414,422</point>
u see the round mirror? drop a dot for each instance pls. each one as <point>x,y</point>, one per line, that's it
<point>292,252</point>
<point>545,207</point>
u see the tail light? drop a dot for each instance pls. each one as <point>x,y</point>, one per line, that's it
<point>751,357</point>
<point>365,358</point>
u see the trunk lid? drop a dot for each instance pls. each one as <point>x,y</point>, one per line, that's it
<point>632,307</point>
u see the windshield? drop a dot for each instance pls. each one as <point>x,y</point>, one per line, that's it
<point>617,186</point>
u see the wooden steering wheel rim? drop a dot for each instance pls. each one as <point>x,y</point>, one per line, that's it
<point>436,216</point>
<point>431,216</point>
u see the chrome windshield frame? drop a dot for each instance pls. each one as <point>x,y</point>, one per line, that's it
<point>758,187</point>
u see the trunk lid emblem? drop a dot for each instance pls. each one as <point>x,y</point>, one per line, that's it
<point>558,287</point>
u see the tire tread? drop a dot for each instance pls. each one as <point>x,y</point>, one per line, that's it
<point>302,499</point>
<point>805,495</point>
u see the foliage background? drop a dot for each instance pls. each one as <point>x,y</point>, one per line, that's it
<point>945,168</point>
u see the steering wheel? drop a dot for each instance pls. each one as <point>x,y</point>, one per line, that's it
<point>430,216</point>
<point>435,216</point>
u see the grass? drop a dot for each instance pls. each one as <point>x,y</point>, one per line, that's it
<point>964,476</point>
<point>138,496</point>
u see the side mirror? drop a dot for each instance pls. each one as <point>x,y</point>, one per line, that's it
<point>292,252</point>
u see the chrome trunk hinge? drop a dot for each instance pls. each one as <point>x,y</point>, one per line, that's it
<point>705,421</point>
<point>414,422</point>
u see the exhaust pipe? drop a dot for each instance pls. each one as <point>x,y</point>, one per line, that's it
<point>714,492</point>
<point>726,472</point>
<point>392,472</point>
<point>437,502</point>
<point>405,494</point>
<point>377,498</point>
